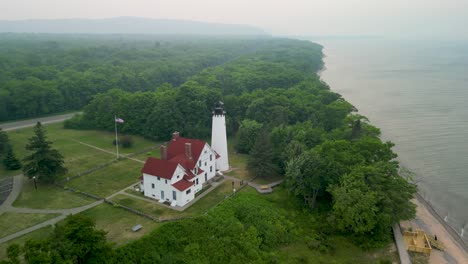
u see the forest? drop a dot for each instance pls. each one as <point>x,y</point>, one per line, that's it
<point>43,74</point>
<point>290,123</point>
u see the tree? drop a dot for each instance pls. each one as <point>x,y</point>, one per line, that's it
<point>354,204</point>
<point>75,241</point>
<point>247,134</point>
<point>370,199</point>
<point>13,254</point>
<point>260,161</point>
<point>44,163</point>
<point>78,240</point>
<point>306,176</point>
<point>10,161</point>
<point>4,143</point>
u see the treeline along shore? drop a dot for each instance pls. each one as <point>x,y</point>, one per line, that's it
<point>341,180</point>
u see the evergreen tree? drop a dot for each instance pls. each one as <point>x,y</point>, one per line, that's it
<point>10,161</point>
<point>44,163</point>
<point>261,156</point>
<point>3,143</point>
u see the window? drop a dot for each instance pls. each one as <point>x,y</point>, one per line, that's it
<point>159,178</point>
<point>195,170</point>
<point>174,195</point>
<point>199,163</point>
<point>196,182</point>
<point>205,163</point>
<point>211,168</point>
<point>165,181</point>
<point>206,176</point>
<point>188,191</point>
<point>211,157</point>
<point>178,176</point>
<point>152,185</point>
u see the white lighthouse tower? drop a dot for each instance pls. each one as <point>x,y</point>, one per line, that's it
<point>218,137</point>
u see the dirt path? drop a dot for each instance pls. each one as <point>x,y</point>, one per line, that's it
<point>428,222</point>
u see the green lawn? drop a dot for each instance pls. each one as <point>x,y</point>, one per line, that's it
<point>78,157</point>
<point>37,234</point>
<point>109,180</point>
<point>158,211</point>
<point>13,222</point>
<point>119,222</point>
<point>238,163</point>
<point>48,197</point>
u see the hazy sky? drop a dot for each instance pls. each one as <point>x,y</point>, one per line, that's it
<point>330,17</point>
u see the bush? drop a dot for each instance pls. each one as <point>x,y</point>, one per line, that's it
<point>125,142</point>
<point>75,122</point>
<point>319,242</point>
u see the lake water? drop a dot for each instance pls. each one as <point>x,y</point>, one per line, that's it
<point>416,91</point>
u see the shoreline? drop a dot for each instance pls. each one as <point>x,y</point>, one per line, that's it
<point>428,220</point>
<point>441,221</point>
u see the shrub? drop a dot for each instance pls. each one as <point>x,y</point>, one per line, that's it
<point>125,142</point>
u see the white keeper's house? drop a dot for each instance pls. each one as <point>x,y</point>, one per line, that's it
<point>186,164</point>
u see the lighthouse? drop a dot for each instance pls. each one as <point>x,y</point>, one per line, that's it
<point>219,138</point>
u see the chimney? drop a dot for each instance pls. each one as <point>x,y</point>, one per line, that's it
<point>175,136</point>
<point>163,152</point>
<point>188,150</point>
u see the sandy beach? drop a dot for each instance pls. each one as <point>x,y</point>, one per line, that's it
<point>429,222</point>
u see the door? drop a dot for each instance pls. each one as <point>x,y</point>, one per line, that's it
<point>174,195</point>
<point>162,195</point>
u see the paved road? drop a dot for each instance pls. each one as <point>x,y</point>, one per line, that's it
<point>17,185</point>
<point>401,245</point>
<point>31,122</point>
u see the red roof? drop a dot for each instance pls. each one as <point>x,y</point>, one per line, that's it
<point>182,185</point>
<point>184,162</point>
<point>200,171</point>
<point>176,156</point>
<point>176,149</point>
<point>162,168</point>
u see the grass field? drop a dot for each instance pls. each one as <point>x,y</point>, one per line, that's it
<point>13,222</point>
<point>119,222</point>
<point>37,234</point>
<point>78,157</point>
<point>237,161</point>
<point>48,197</point>
<point>109,180</point>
